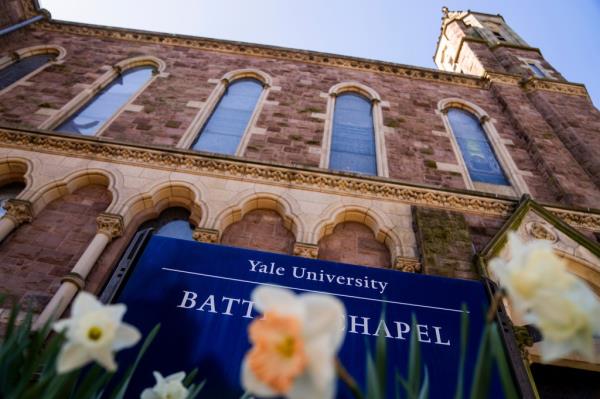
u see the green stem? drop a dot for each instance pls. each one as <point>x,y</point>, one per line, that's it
<point>348,380</point>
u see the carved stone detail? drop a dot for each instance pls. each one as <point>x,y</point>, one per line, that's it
<point>110,224</point>
<point>409,265</point>
<point>306,250</point>
<point>573,89</point>
<point>75,279</point>
<point>18,210</point>
<point>210,236</point>
<point>542,232</point>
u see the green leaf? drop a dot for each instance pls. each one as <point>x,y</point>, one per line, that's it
<point>464,335</point>
<point>189,378</point>
<point>373,388</point>
<point>483,366</point>
<point>381,356</point>
<point>119,392</point>
<point>414,360</point>
<point>424,392</point>
<point>194,390</point>
<point>93,380</point>
<point>497,349</point>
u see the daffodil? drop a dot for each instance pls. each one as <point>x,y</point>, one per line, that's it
<point>170,387</point>
<point>541,289</point>
<point>94,332</point>
<point>294,344</point>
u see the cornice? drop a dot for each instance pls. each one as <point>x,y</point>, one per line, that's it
<point>574,89</point>
<point>259,50</point>
<point>308,179</point>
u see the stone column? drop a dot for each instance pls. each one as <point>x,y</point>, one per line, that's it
<point>306,250</point>
<point>210,236</point>
<point>109,227</point>
<point>17,212</point>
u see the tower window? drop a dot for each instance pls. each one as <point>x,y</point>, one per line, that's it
<point>537,72</point>
<point>499,36</point>
<point>104,105</point>
<point>224,129</point>
<point>480,159</point>
<point>22,68</point>
<point>353,135</point>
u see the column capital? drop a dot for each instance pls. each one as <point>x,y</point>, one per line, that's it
<point>109,224</point>
<point>19,211</point>
<point>409,265</point>
<point>210,236</point>
<point>306,250</point>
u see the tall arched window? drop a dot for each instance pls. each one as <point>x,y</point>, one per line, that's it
<point>480,159</point>
<point>23,67</point>
<point>353,135</point>
<point>93,115</point>
<point>224,129</point>
<point>172,222</point>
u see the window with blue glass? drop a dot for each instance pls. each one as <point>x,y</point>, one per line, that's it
<point>92,116</point>
<point>22,68</point>
<point>353,135</point>
<point>481,161</point>
<point>224,129</point>
<point>172,222</point>
<point>537,72</point>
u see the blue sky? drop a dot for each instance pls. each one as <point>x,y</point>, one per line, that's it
<point>400,31</point>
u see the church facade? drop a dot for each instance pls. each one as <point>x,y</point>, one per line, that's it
<point>106,131</point>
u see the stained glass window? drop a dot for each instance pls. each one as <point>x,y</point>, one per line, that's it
<point>353,135</point>
<point>481,161</point>
<point>226,126</point>
<point>92,116</point>
<point>21,68</point>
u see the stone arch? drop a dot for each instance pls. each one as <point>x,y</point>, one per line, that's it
<point>16,170</point>
<point>149,205</point>
<point>143,60</point>
<point>382,232</point>
<point>518,186</point>
<point>378,127</point>
<point>71,183</point>
<point>267,201</point>
<point>587,271</point>
<point>254,73</point>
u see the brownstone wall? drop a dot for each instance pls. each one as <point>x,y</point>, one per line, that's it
<point>293,135</point>
<point>261,229</point>
<point>36,255</point>
<point>11,12</point>
<point>354,243</point>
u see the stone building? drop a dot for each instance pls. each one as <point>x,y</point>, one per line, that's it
<point>104,131</point>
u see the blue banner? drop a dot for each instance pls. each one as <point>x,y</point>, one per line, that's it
<point>200,294</point>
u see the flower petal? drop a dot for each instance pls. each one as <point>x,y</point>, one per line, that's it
<point>104,356</point>
<point>304,388</point>
<point>149,393</point>
<point>71,357</point>
<point>327,317</point>
<point>84,303</point>
<point>61,325</point>
<point>125,336</point>
<point>180,376</point>
<point>278,300</point>
<point>252,384</point>
<point>115,312</point>
<point>321,363</point>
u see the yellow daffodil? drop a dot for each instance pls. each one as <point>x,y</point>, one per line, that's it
<point>170,387</point>
<point>294,344</point>
<point>94,332</point>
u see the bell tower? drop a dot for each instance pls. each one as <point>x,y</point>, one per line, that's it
<point>474,43</point>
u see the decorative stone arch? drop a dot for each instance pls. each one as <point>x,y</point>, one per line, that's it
<point>149,205</point>
<point>71,183</point>
<point>518,186</point>
<point>283,207</point>
<point>15,169</point>
<point>382,232</point>
<point>58,51</point>
<point>103,81</point>
<point>378,127</point>
<point>213,99</point>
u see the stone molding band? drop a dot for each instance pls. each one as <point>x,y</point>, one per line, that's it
<point>75,279</point>
<point>196,163</point>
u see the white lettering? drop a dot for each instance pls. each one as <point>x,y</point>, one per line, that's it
<point>423,333</point>
<point>438,336</point>
<point>364,325</point>
<point>229,303</point>
<point>210,301</point>
<point>188,296</point>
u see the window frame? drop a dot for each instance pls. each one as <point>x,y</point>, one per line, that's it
<point>381,160</point>
<point>209,106</point>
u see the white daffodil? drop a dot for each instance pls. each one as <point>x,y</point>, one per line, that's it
<point>94,332</point>
<point>294,344</point>
<point>170,387</point>
<point>532,269</point>
<point>562,306</point>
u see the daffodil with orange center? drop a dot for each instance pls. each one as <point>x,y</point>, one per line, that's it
<point>294,344</point>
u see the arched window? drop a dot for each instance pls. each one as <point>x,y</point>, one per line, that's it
<point>480,159</point>
<point>92,116</point>
<point>353,135</point>
<point>172,222</point>
<point>224,129</point>
<point>23,67</point>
